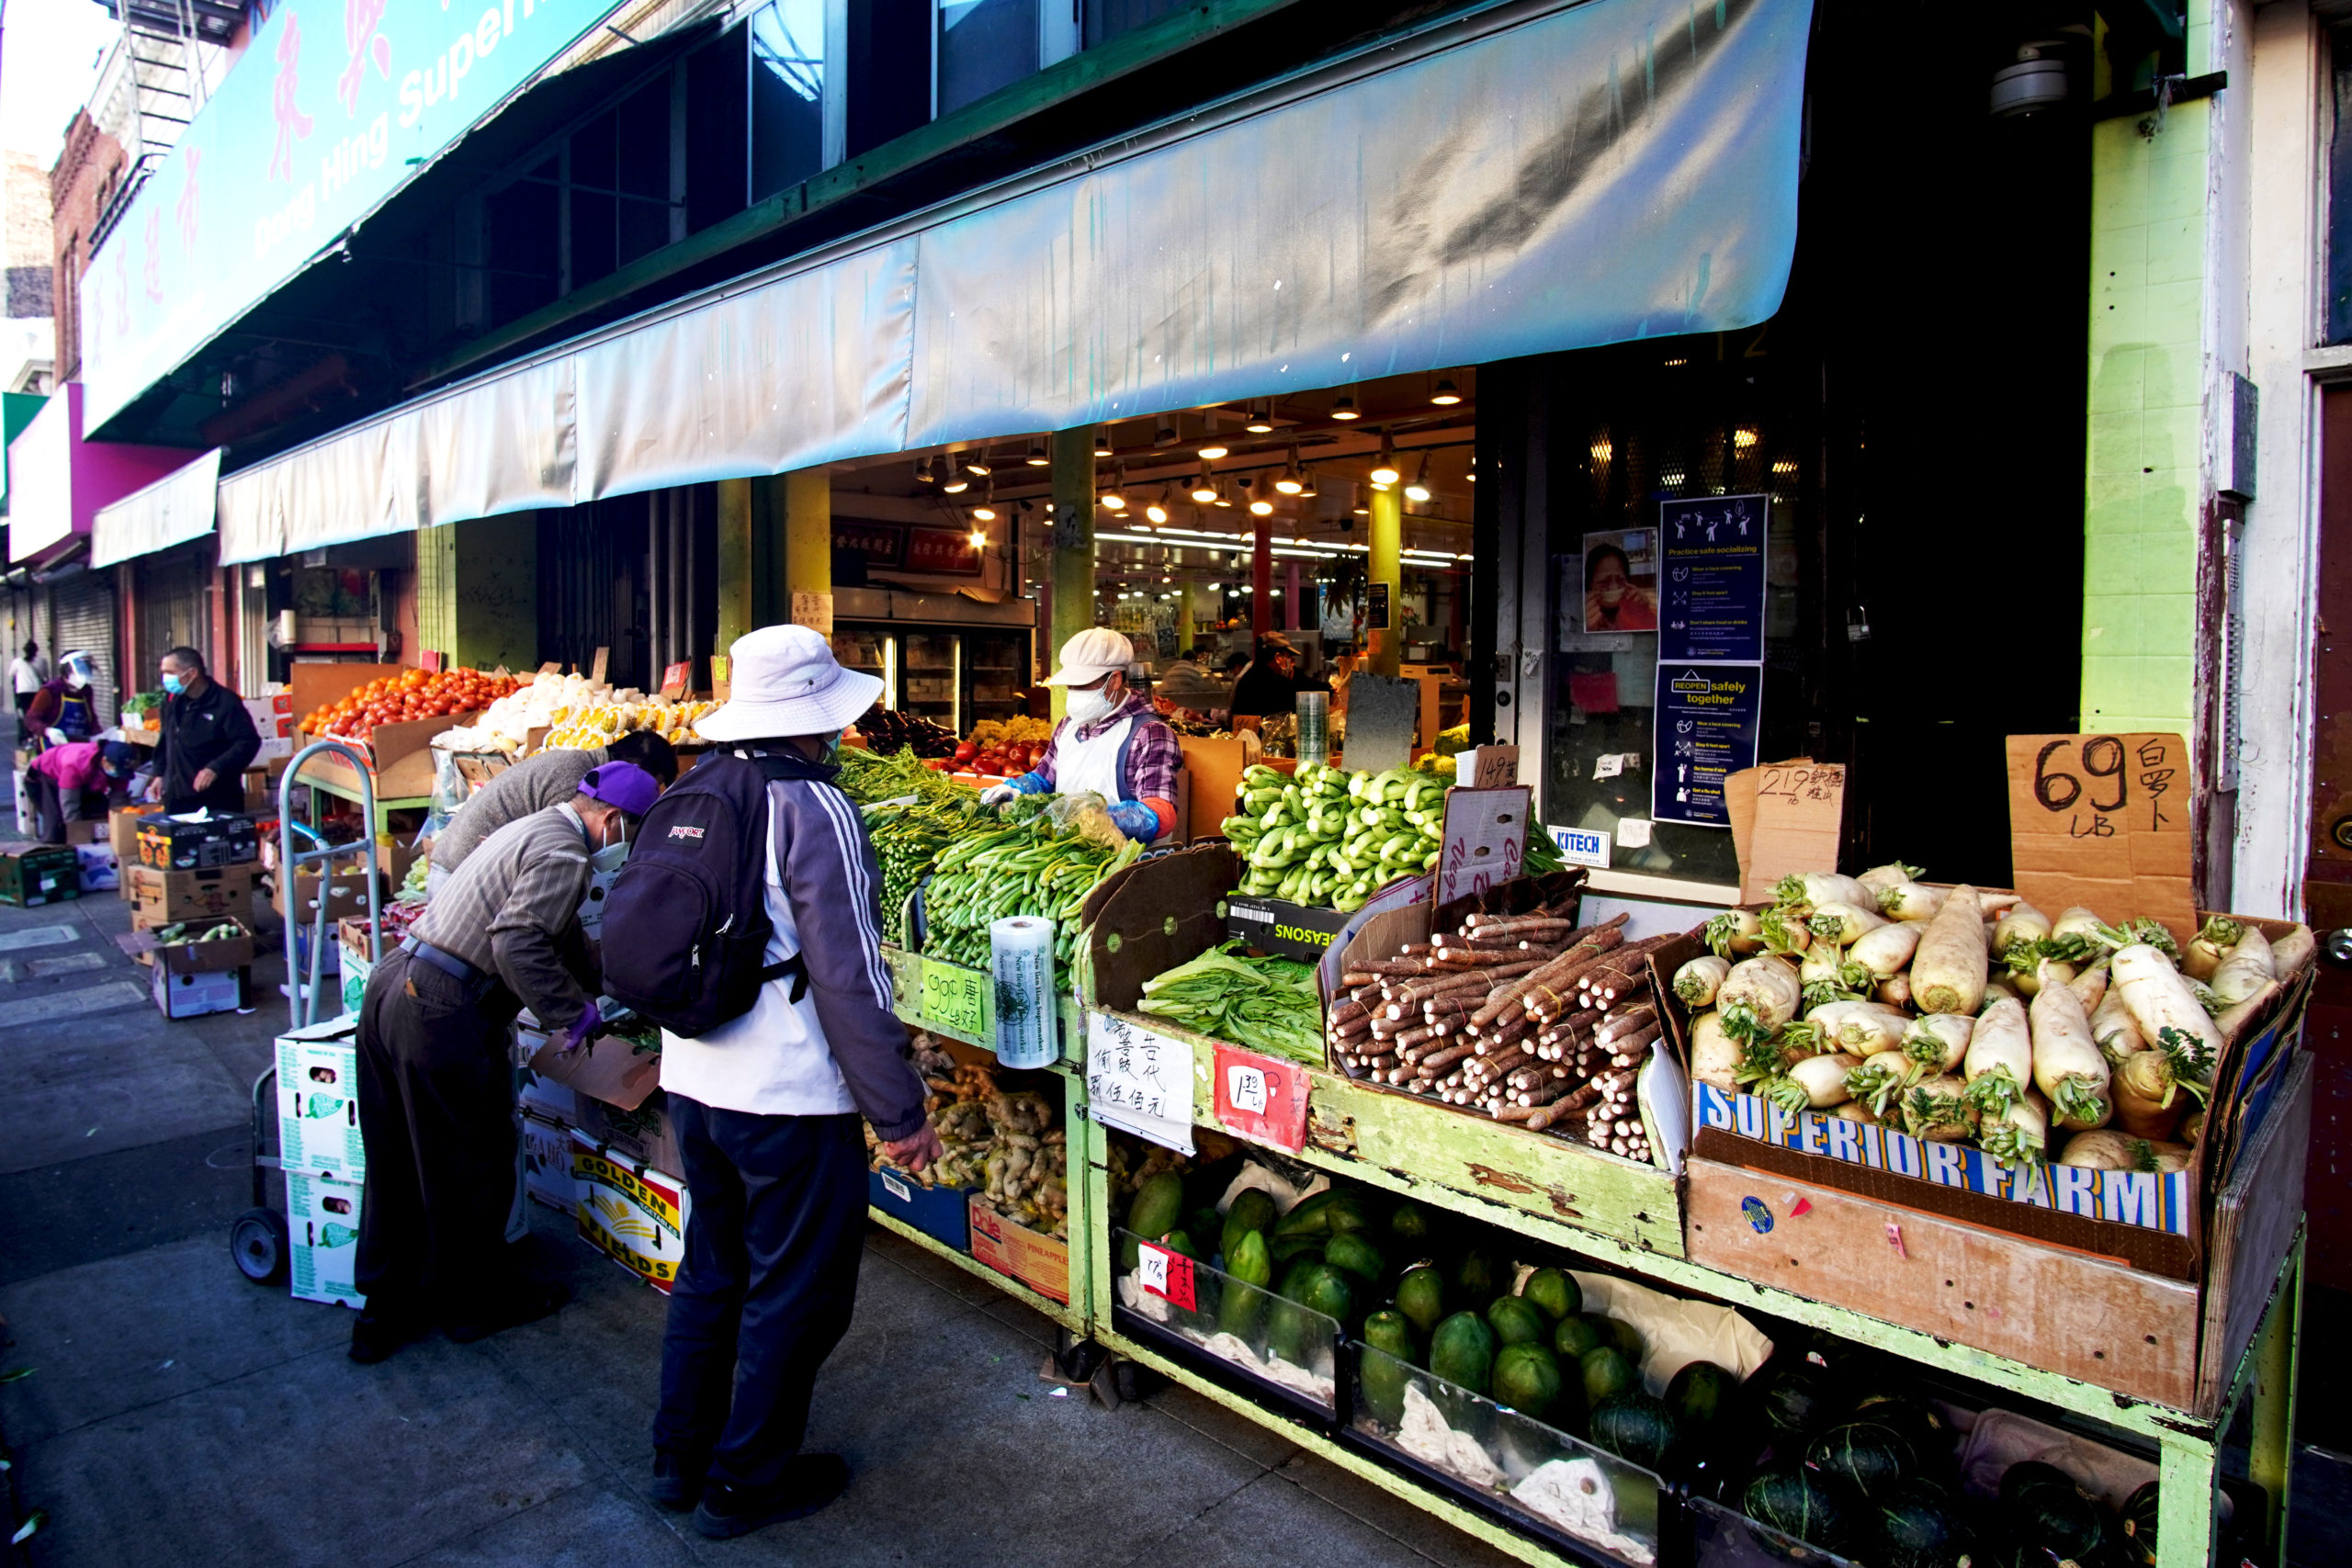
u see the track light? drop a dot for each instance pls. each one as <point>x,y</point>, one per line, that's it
<point>1165,437</point>
<point>1420,488</point>
<point>1346,407</point>
<point>1158,510</point>
<point>1204,489</point>
<point>1212,448</point>
<point>979,539</point>
<point>957,482</point>
<point>1288,482</point>
<point>1261,418</point>
<point>1307,490</point>
<point>1038,457</point>
<point>1387,472</point>
<point>1224,492</point>
<point>984,513</point>
<point>979,465</point>
<point>1445,395</point>
<point>924,473</point>
<point>1115,498</point>
<point>1102,442</point>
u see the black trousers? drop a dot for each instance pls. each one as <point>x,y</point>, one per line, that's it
<point>767,1286</point>
<point>436,1097</point>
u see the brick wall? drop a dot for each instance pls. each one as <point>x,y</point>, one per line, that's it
<point>79,186</point>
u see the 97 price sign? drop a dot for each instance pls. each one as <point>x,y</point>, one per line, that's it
<point>2102,821</point>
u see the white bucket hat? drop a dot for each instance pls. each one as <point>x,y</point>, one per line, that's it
<point>1094,653</point>
<point>785,681</point>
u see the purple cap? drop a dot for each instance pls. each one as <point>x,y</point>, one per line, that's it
<point>622,785</point>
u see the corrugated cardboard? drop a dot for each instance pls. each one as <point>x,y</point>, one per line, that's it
<point>318,1101</point>
<point>632,1213</point>
<point>609,1068</point>
<point>645,1133</point>
<point>168,897</point>
<point>547,1165</point>
<point>2103,821</point>
<point>1798,823</point>
<point>346,893</point>
<point>193,995</point>
<point>1037,1260</point>
<point>322,1222</point>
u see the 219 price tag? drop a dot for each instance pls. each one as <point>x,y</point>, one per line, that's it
<point>1165,1274</point>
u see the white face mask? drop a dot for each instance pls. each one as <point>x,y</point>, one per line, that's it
<point>1085,707</point>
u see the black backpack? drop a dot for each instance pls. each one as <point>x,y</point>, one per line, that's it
<point>686,923</point>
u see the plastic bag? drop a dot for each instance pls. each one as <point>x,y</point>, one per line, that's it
<point>449,786</point>
<point>1088,815</point>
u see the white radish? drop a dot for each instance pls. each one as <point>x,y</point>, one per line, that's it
<point>1910,901</point>
<point>1937,1108</point>
<point>1817,888</point>
<point>1999,1064</point>
<point>1823,965</point>
<point>2114,1150</point>
<point>2017,1135</point>
<point>2148,1098</point>
<point>2067,1066</point>
<point>2077,921</point>
<point>1885,949</point>
<point>1855,1111</point>
<point>2029,972</point>
<point>1716,1057</point>
<point>2021,925</point>
<point>2089,986</point>
<point>1785,928</point>
<point>1948,972</point>
<point>1809,1085</point>
<point>2234,1022</point>
<point>1896,991</point>
<point>2293,953</point>
<point>1698,981</point>
<point>1844,924</point>
<point>1893,873</point>
<point>1863,1028</point>
<point>2247,970</point>
<point>1940,1041</point>
<point>2113,1029</point>
<point>1881,1079</point>
<point>1999,991</point>
<point>1760,995</point>
<point>2208,946</point>
<point>2169,1017</point>
<point>1735,931</point>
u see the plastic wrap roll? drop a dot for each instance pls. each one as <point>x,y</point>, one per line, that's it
<point>1314,726</point>
<point>1021,961</point>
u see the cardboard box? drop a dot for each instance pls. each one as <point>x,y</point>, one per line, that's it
<point>346,893</point>
<point>176,843</point>
<point>183,995</point>
<point>1037,1260</point>
<point>90,830</point>
<point>1278,926</point>
<point>318,1101</point>
<point>942,1213</point>
<point>25,817</point>
<point>355,971</point>
<point>322,1222</point>
<point>547,1165</point>
<point>195,957</point>
<point>122,830</point>
<point>643,1133</point>
<point>611,1068</point>
<point>632,1213</point>
<point>168,898</point>
<point>101,872</point>
<point>545,1098</point>
<point>34,875</point>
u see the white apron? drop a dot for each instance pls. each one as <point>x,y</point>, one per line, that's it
<point>1094,764</point>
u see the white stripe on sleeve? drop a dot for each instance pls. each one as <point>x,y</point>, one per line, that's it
<point>861,890</point>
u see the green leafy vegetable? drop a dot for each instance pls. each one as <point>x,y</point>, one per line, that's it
<point>1266,1004</point>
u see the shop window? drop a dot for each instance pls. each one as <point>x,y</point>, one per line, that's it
<point>523,248</point>
<point>787,95</point>
<point>889,70</point>
<point>982,45</point>
<point>2339,325</point>
<point>1106,19</point>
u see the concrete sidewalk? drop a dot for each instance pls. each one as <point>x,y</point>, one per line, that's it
<point>176,1414</point>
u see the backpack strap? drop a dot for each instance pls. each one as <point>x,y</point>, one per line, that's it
<point>774,770</point>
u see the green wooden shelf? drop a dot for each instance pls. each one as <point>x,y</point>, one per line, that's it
<point>1076,1319</point>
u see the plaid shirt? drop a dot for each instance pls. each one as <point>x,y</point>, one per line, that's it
<point>1153,753</point>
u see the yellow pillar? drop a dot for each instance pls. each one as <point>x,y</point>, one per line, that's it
<point>1387,648</point>
<point>1073,541</point>
<point>808,549</point>
<point>738,572</point>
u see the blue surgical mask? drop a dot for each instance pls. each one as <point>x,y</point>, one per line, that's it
<point>172,683</point>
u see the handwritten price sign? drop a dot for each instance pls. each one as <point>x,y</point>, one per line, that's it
<point>2102,821</point>
<point>1165,1274</point>
<point>1485,839</point>
<point>1139,1079</point>
<point>1261,1098</point>
<point>1799,812</point>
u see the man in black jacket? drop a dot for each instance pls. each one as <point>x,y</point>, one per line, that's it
<point>207,739</point>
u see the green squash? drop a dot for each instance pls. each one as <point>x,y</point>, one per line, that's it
<point>1181,1241</point>
<point>2140,1526</point>
<point>1793,1400</point>
<point>1386,1379</point>
<point>1462,1351</point>
<point>1527,1379</point>
<point>1251,1209</point>
<point>1475,1276</point>
<point>1515,1321</point>
<point>1574,1336</point>
<point>1410,1222</point>
<point>1701,1395</point>
<point>1637,1428</point>
<point>1158,1205</point>
<point>2046,1509</point>
<point>1919,1525</point>
<point>1350,1251</point>
<point>1605,1371</point>
<point>1796,1502</point>
<point>1929,1434</point>
<point>1420,1296</point>
<point>1244,1311</point>
<point>1864,1455</point>
<point>1309,1217</point>
<point>1555,1291</point>
<point>1348,1213</point>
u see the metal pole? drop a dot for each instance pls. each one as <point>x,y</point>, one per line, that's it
<point>1073,542</point>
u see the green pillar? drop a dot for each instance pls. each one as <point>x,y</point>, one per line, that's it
<point>1073,540</point>
<point>808,549</point>
<point>737,572</point>
<point>478,591</point>
<point>1387,648</point>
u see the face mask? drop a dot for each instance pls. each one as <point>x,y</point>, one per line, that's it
<point>1085,707</point>
<point>172,683</point>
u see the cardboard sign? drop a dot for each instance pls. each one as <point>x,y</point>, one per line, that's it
<point>1261,1098</point>
<point>1165,1274</point>
<point>597,666</point>
<point>814,611</point>
<point>1491,767</point>
<point>675,676</point>
<point>2102,821</point>
<point>1800,815</point>
<point>1139,1079</point>
<point>1485,839</point>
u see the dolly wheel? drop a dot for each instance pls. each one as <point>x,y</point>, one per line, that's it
<point>257,1241</point>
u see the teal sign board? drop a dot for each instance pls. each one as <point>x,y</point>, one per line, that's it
<point>333,106</point>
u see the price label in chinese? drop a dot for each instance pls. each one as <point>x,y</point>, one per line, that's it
<point>1139,1079</point>
<point>2103,821</point>
<point>1165,1274</point>
<point>1800,815</point>
<point>1261,1098</point>
<point>956,1001</point>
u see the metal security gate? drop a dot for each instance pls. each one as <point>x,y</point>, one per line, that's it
<point>83,612</point>
<point>168,610</point>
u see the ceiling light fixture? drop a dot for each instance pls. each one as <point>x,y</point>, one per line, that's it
<point>1115,498</point>
<point>983,513</point>
<point>924,473</point>
<point>979,465</point>
<point>1446,395</point>
<point>1204,489</point>
<point>957,482</point>
<point>1165,437</point>
<point>1102,442</point>
<point>1158,510</point>
<point>1261,418</point>
<point>1212,448</point>
<point>1345,408</point>
<point>979,540</point>
<point>1288,482</point>
<point>1224,492</point>
<point>1260,504</point>
<point>1038,457</point>
<point>1418,490</point>
<point>1386,472</point>
<point>1307,490</point>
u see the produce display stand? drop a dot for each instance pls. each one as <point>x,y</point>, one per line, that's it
<point>399,771</point>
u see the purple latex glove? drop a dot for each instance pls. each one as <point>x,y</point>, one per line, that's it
<point>591,1023</point>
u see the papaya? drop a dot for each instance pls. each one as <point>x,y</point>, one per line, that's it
<point>1555,1291</point>
<point>1158,1204</point>
<point>1308,1217</point>
<point>1699,1395</point>
<point>1251,1209</point>
<point>1288,1249</point>
<point>1289,1327</point>
<point>1346,1213</point>
<point>1574,1336</point>
<point>1181,1241</point>
<point>1410,1222</point>
<point>1474,1277</point>
<point>1420,1296</point>
<point>1243,1311</point>
<point>1349,1251</point>
<point>1605,1371</point>
<point>1385,1376</point>
<point>1527,1378</point>
<point>1515,1321</point>
<point>1618,1332</point>
<point>1328,1291</point>
<point>1462,1351</point>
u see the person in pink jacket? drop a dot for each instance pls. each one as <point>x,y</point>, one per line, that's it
<point>61,779</point>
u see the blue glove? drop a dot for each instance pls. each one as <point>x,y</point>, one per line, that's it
<point>1136,820</point>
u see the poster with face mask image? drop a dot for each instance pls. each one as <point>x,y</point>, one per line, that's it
<point>1620,580</point>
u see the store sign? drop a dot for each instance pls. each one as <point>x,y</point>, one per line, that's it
<point>1261,1098</point>
<point>880,543</point>
<point>942,551</point>
<point>1375,607</point>
<point>2101,821</point>
<point>1708,716</point>
<point>332,107</point>
<point>1711,580</point>
<point>1582,846</point>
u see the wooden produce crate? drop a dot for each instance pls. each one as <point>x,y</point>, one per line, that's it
<point>2159,1224</point>
<point>2095,1318</point>
<point>1162,912</point>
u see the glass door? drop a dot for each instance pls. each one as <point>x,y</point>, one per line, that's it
<point>930,668</point>
<point>996,673</point>
<point>871,650</point>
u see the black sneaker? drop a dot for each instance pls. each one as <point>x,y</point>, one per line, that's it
<point>527,1303</point>
<point>376,1334</point>
<point>677,1483</point>
<point>811,1482</point>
